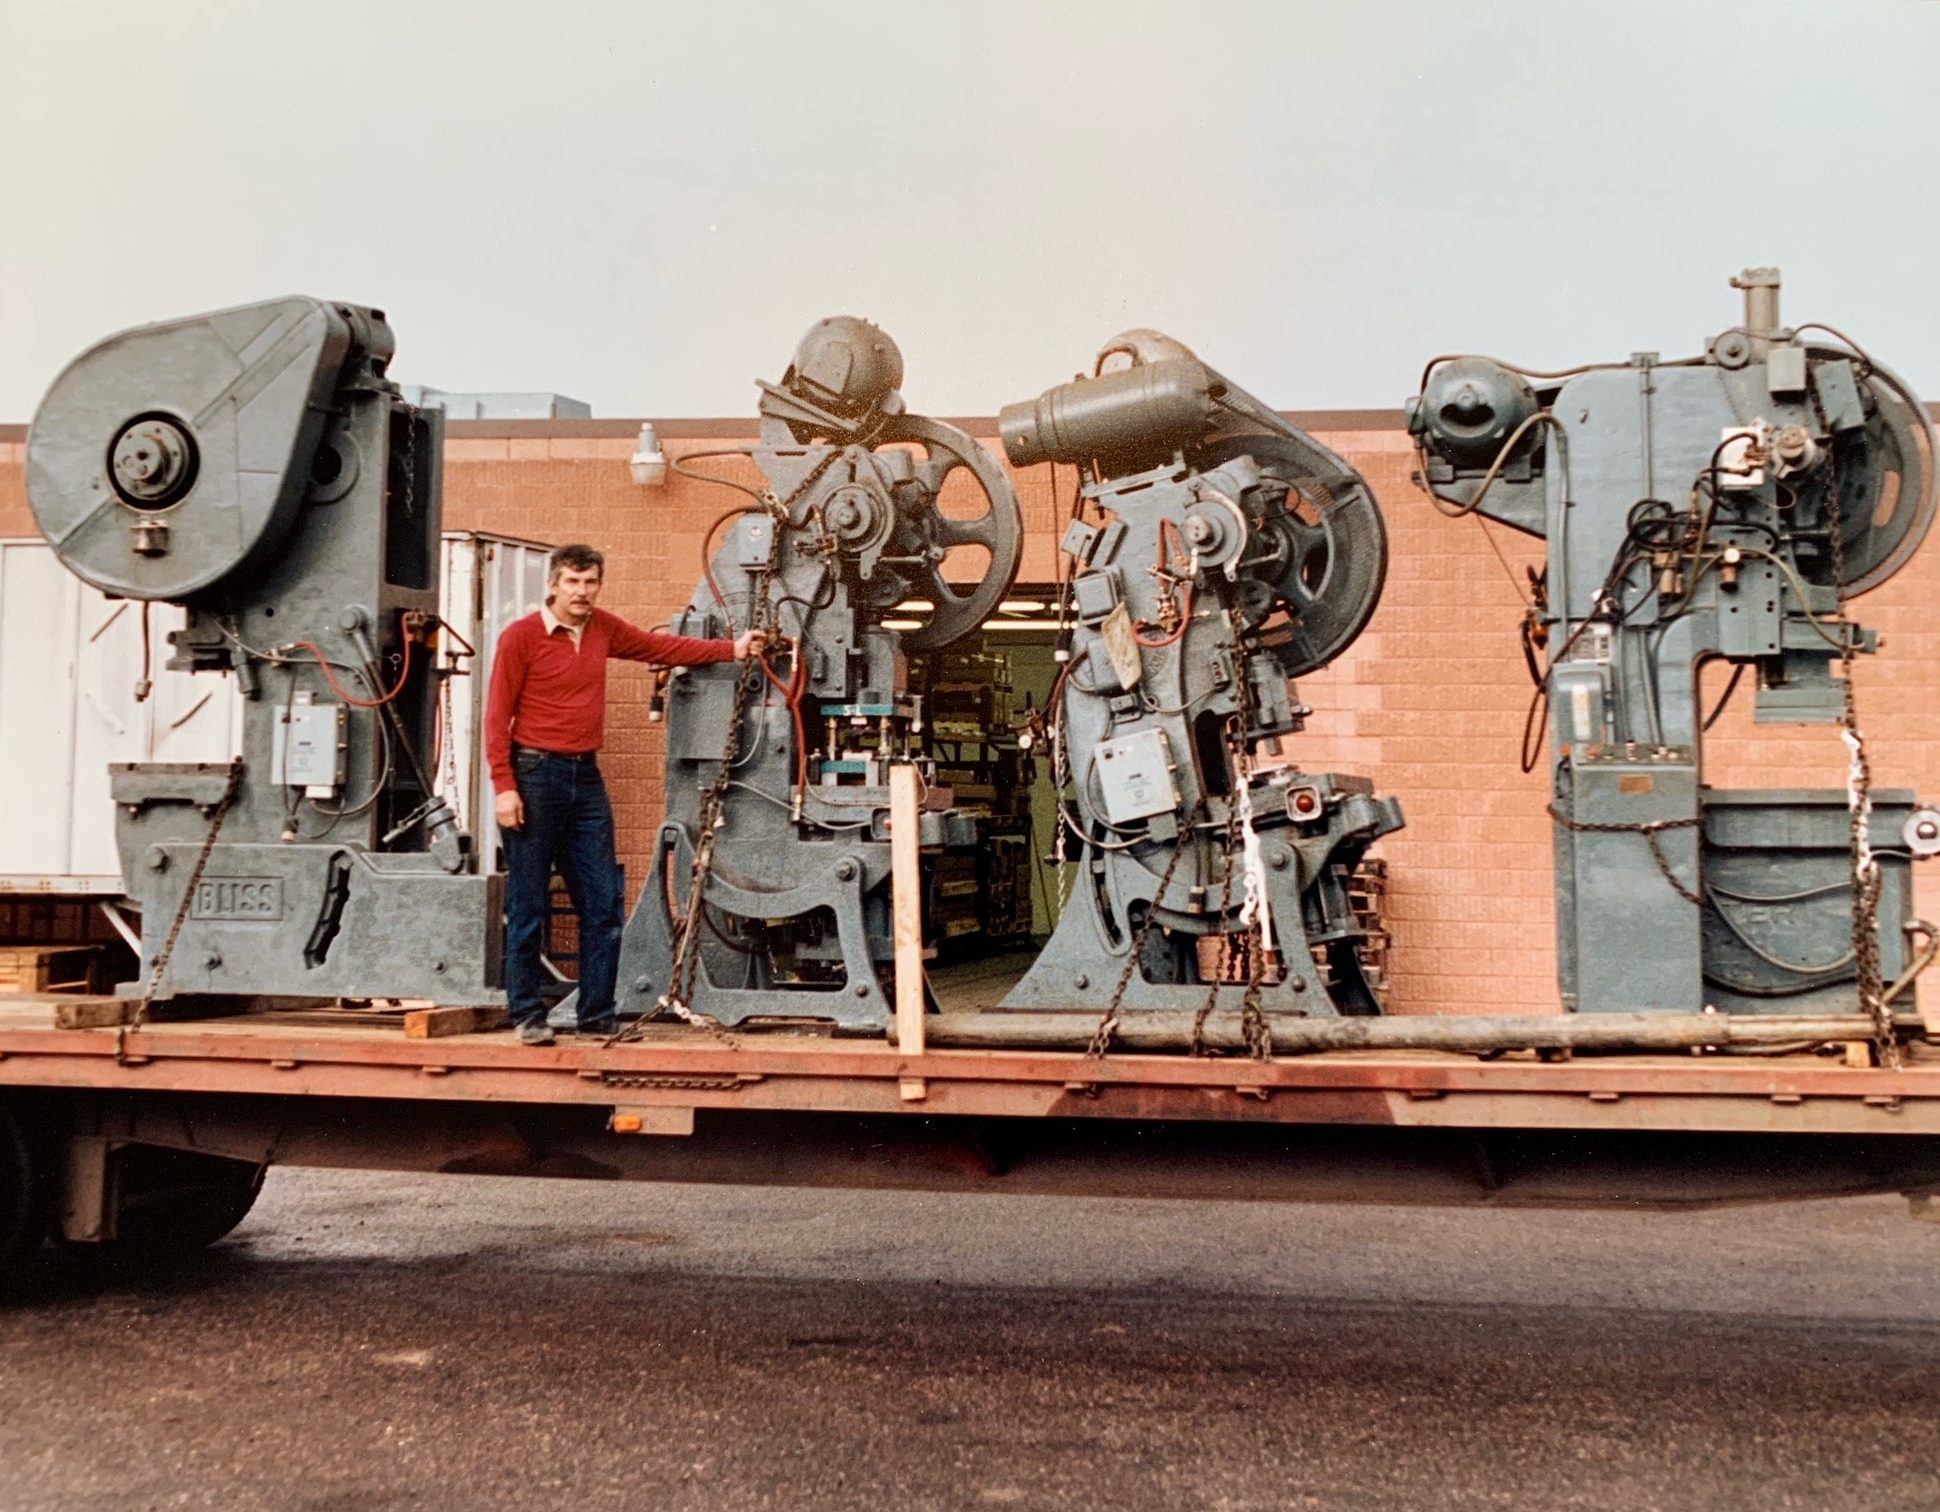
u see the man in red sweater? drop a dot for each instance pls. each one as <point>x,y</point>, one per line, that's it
<point>544,723</point>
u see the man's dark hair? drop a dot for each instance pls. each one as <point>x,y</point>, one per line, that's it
<point>576,558</point>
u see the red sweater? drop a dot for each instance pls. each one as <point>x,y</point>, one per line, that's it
<point>549,695</point>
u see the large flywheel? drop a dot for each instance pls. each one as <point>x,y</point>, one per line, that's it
<point>999,530</point>
<point>1888,484</point>
<point>1330,542</point>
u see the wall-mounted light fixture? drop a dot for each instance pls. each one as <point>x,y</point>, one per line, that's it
<point>648,463</point>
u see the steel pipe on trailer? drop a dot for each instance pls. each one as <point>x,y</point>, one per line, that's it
<point>1159,1031</point>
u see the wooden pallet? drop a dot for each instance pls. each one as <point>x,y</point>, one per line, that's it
<point>48,968</point>
<point>54,1010</point>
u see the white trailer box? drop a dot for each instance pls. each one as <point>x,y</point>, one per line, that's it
<point>488,581</point>
<point>70,659</point>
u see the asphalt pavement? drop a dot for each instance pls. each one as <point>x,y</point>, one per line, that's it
<point>381,1341</point>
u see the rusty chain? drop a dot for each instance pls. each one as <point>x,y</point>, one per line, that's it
<point>1206,1008</point>
<point>1256,1033</point>
<point>1650,831</point>
<point>686,967</point>
<point>686,964</point>
<point>1252,1021</point>
<point>1253,1026</point>
<point>167,952</point>
<point>1866,878</point>
<point>1108,1022</point>
<point>1254,1029</point>
<point>410,466</point>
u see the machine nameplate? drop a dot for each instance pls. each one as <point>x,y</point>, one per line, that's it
<point>256,898</point>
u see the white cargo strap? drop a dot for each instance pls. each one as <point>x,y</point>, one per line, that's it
<point>1256,906</point>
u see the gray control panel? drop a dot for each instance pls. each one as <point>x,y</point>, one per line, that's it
<point>310,745</point>
<point>1135,777</point>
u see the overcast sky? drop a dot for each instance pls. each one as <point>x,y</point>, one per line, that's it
<point>643,205</point>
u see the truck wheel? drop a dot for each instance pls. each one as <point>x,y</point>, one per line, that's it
<point>177,1202</point>
<point>21,1229</point>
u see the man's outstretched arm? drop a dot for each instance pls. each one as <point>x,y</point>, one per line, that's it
<point>631,643</point>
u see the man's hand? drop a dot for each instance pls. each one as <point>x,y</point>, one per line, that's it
<point>750,643</point>
<point>509,810</point>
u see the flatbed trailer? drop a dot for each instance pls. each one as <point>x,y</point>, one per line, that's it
<point>153,1135</point>
<point>160,1131</point>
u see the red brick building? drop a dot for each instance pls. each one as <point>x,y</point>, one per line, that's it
<point>1429,702</point>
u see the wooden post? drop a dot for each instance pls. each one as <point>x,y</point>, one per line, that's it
<point>905,861</point>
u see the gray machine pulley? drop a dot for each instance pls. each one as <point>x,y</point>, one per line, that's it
<point>999,529</point>
<point>1321,554</point>
<point>1898,476</point>
<point>162,460</point>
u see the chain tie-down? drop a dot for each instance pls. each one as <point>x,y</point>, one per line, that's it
<point>1866,879</point>
<point>1650,831</point>
<point>163,956</point>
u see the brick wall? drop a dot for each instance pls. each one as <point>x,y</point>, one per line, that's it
<point>1429,702</point>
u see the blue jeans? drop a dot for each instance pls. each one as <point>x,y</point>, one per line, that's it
<point>568,824</point>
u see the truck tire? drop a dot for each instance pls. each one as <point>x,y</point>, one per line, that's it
<point>175,1203</point>
<point>21,1201</point>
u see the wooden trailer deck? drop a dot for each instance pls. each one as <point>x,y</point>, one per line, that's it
<point>675,1069</point>
<point>787,1105</point>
